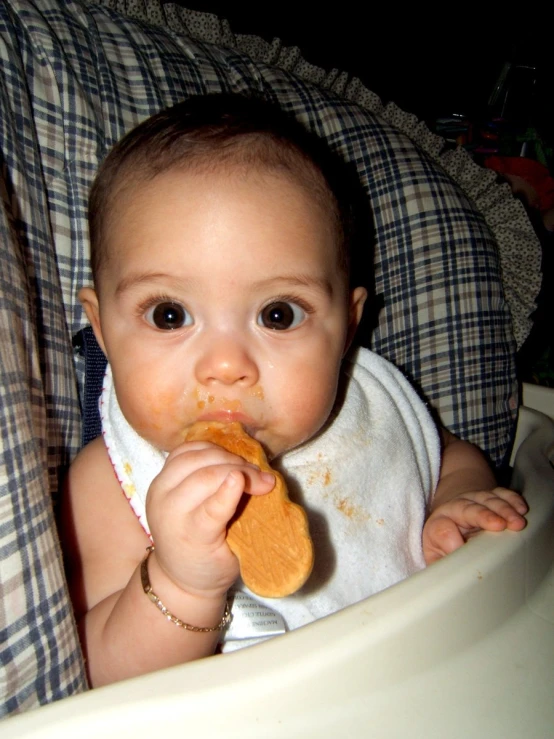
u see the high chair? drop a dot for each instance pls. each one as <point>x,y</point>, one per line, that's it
<point>463,647</point>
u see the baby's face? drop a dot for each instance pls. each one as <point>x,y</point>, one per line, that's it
<point>222,300</point>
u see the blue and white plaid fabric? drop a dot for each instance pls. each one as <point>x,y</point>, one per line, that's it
<point>75,77</point>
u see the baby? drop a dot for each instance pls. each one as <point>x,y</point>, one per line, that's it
<point>226,289</point>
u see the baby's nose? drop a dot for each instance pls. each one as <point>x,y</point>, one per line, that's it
<point>227,361</point>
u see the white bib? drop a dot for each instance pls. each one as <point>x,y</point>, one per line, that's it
<point>365,482</point>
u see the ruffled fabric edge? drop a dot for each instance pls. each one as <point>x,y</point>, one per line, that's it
<point>518,245</point>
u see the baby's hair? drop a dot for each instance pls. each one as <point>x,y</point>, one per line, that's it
<point>214,133</point>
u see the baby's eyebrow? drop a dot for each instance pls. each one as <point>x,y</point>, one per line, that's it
<point>278,282</point>
<point>140,278</point>
<point>297,280</point>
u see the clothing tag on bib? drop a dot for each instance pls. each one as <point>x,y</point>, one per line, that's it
<point>251,622</point>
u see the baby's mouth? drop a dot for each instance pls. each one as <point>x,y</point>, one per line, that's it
<point>226,416</point>
<point>228,410</point>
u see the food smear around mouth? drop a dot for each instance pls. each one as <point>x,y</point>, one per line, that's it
<point>257,392</point>
<point>269,533</point>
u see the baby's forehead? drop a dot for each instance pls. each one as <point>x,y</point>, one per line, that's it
<point>309,184</point>
<point>253,199</point>
<point>302,183</point>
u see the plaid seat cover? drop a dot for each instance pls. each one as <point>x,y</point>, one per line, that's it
<point>76,76</point>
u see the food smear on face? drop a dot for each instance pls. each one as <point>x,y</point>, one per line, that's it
<point>229,405</point>
<point>257,392</point>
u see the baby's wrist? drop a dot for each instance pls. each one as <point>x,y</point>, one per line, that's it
<point>192,606</point>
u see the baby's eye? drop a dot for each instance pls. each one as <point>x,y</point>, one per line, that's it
<point>168,316</point>
<point>281,316</point>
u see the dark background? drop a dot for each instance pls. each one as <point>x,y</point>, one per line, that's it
<point>431,63</point>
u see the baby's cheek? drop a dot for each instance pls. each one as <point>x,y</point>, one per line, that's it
<point>160,418</point>
<point>314,403</point>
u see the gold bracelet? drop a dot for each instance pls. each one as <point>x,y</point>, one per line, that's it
<point>170,617</point>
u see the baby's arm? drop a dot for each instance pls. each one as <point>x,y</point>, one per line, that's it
<point>189,505</point>
<point>467,500</point>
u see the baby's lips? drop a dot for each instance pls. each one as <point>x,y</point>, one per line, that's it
<point>227,416</point>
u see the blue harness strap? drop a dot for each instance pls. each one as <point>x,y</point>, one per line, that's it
<point>95,367</point>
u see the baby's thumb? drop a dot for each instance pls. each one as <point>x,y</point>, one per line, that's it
<point>441,536</point>
<point>221,506</point>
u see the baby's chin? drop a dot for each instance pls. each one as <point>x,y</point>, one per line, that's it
<point>279,446</point>
<point>274,443</point>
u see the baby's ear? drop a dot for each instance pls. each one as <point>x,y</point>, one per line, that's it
<point>89,300</point>
<point>358,297</point>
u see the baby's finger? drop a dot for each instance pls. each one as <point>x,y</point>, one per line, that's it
<point>491,514</point>
<point>508,513</point>
<point>193,492</point>
<point>219,508</point>
<point>222,505</point>
<point>258,482</point>
<point>204,451</point>
<point>191,446</point>
<point>188,459</point>
<point>441,536</point>
<point>513,499</point>
<point>477,516</point>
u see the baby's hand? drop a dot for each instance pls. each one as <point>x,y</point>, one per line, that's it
<point>451,523</point>
<point>189,506</point>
